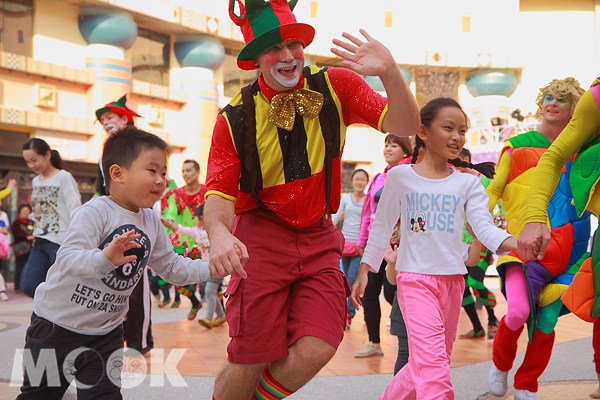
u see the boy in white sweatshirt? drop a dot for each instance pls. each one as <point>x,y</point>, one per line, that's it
<point>79,309</point>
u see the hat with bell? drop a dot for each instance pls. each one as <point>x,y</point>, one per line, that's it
<point>265,24</point>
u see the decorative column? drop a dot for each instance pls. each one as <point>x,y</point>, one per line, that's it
<point>199,56</point>
<point>108,32</point>
<point>491,89</point>
<point>377,85</point>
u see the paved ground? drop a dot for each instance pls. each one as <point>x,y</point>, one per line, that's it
<point>570,374</point>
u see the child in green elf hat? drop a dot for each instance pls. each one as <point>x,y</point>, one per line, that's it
<point>274,167</point>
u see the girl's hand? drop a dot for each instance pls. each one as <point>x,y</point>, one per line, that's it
<point>361,250</point>
<point>365,58</point>
<point>119,245</point>
<point>391,254</point>
<point>169,224</point>
<point>358,289</point>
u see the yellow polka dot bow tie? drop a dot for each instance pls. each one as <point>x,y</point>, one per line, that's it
<point>285,105</point>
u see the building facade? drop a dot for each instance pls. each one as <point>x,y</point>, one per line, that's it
<point>62,59</point>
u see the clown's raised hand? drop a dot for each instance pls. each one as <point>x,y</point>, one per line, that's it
<point>374,59</point>
<point>365,58</point>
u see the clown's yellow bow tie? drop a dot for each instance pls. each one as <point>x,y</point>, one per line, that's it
<point>285,105</point>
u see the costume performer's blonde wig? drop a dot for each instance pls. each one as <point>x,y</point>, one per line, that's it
<point>560,88</point>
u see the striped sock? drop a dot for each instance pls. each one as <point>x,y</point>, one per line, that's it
<point>269,389</point>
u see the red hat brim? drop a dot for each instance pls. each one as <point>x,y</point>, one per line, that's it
<point>246,59</point>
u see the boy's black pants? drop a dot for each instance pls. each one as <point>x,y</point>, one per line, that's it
<point>91,368</point>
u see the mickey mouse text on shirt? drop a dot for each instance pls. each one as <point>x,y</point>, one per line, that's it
<point>428,212</point>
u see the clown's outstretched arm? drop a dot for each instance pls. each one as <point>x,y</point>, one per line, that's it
<point>583,128</point>
<point>374,59</point>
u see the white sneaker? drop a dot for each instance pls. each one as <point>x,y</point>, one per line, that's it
<point>3,296</point>
<point>521,394</point>
<point>372,350</point>
<point>498,381</point>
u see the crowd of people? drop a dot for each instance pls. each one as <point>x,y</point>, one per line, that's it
<point>423,232</point>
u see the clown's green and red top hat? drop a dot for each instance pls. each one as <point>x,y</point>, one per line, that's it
<point>265,24</point>
<point>118,107</point>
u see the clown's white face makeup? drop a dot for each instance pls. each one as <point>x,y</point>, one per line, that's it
<point>281,65</point>
<point>113,122</point>
<point>286,74</point>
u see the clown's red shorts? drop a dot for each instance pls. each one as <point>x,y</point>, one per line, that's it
<point>295,288</point>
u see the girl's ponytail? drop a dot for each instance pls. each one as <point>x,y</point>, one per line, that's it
<point>488,168</point>
<point>418,144</point>
<point>56,159</point>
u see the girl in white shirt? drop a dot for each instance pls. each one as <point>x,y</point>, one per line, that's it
<point>54,198</point>
<point>433,200</point>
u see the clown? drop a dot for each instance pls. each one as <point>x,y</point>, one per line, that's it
<point>523,282</point>
<point>114,116</point>
<point>580,136</point>
<point>274,165</point>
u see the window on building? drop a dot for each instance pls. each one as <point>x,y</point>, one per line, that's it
<point>346,172</point>
<point>234,78</point>
<point>11,142</point>
<point>16,26</point>
<point>150,57</point>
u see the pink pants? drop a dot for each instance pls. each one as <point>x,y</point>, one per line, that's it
<point>517,296</point>
<point>431,306</point>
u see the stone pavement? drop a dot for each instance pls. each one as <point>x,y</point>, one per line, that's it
<point>570,374</point>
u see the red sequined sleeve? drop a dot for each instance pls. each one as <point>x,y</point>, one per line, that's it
<point>223,170</point>
<point>360,103</point>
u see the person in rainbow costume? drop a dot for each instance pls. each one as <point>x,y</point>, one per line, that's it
<point>581,136</point>
<point>524,282</point>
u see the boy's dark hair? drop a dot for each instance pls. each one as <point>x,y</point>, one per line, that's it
<point>194,162</point>
<point>199,211</point>
<point>428,114</point>
<point>124,147</point>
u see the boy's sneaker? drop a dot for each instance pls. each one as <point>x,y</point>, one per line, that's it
<point>219,321</point>
<point>498,381</point>
<point>175,304</point>
<point>348,322</point>
<point>473,334</point>
<point>207,323</point>
<point>521,394</point>
<point>3,296</point>
<point>372,350</point>
<point>492,329</point>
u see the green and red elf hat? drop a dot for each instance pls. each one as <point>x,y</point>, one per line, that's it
<point>118,107</point>
<point>265,24</point>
